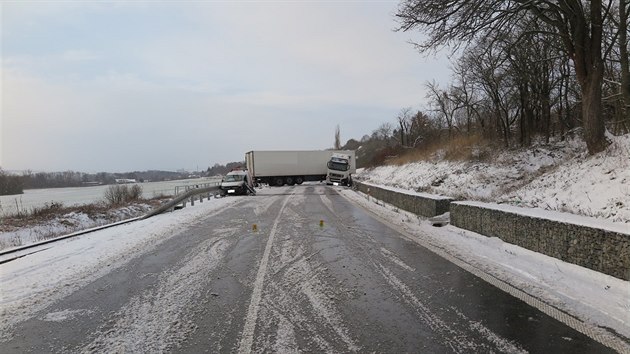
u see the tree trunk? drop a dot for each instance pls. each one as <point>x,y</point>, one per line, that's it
<point>625,65</point>
<point>589,69</point>
<point>593,123</point>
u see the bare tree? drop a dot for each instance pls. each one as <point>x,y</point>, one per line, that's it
<point>337,138</point>
<point>624,12</point>
<point>578,24</point>
<point>446,105</point>
<point>404,125</point>
<point>383,132</point>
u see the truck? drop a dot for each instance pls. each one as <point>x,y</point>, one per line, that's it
<point>278,168</point>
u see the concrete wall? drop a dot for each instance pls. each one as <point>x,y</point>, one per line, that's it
<point>587,242</point>
<point>418,203</point>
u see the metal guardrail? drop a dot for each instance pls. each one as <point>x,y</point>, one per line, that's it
<point>188,187</point>
<point>188,193</point>
<point>184,198</point>
<point>19,252</point>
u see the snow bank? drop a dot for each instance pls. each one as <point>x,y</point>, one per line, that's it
<point>558,176</point>
<point>29,285</point>
<point>67,224</point>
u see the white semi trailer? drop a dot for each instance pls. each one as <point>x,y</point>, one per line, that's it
<point>278,168</point>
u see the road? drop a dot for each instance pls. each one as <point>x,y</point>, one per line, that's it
<point>293,269</point>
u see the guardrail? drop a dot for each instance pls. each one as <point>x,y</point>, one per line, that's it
<point>188,193</point>
<point>188,187</point>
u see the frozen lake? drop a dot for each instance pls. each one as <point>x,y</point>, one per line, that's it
<point>84,195</point>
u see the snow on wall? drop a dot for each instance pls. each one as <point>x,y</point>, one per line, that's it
<point>417,203</point>
<point>559,176</point>
<point>600,246</point>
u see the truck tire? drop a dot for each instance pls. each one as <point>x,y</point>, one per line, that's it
<point>299,180</point>
<point>290,181</point>
<point>278,181</point>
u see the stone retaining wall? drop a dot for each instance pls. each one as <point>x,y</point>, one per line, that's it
<point>600,248</point>
<point>588,242</point>
<point>418,203</point>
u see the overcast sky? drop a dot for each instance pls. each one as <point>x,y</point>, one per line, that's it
<point>119,86</point>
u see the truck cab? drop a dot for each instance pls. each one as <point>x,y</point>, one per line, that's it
<point>237,182</point>
<point>339,169</point>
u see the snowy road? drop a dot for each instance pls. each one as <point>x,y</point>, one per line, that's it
<point>316,274</point>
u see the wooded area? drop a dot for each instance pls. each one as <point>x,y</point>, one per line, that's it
<point>522,69</point>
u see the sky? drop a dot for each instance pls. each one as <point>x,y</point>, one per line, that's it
<point>166,85</point>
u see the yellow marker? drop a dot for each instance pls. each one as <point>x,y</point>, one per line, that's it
<point>254,227</point>
<point>321,223</point>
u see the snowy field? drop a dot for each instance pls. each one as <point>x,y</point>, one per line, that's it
<point>32,283</point>
<point>35,198</point>
<point>558,176</point>
<point>15,236</point>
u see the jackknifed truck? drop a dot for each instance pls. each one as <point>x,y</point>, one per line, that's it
<point>278,168</point>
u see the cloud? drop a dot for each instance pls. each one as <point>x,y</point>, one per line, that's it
<point>132,86</point>
<point>74,55</point>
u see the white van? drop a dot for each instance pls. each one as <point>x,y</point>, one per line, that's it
<point>237,182</point>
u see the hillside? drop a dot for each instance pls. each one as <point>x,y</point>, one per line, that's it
<point>559,176</point>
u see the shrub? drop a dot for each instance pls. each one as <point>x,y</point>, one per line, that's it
<point>46,209</point>
<point>121,193</point>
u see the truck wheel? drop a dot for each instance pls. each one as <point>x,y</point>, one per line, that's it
<point>299,180</point>
<point>279,181</point>
<point>289,181</point>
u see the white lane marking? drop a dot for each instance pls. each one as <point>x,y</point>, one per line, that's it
<point>247,338</point>
<point>327,203</point>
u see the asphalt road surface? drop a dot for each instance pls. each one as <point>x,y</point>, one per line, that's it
<point>315,274</point>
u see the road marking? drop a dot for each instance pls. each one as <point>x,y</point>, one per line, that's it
<point>247,338</point>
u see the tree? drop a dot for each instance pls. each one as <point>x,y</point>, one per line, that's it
<point>11,184</point>
<point>404,125</point>
<point>383,133</point>
<point>337,138</point>
<point>624,62</point>
<point>579,27</point>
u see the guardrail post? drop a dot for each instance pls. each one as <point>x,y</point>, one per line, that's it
<point>192,200</point>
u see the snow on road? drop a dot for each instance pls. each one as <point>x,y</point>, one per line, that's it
<point>154,321</point>
<point>593,297</point>
<point>32,283</point>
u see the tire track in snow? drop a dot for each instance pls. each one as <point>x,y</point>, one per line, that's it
<point>298,298</point>
<point>155,321</point>
<point>458,341</point>
<point>399,262</point>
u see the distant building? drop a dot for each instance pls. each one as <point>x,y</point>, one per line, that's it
<point>125,180</point>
